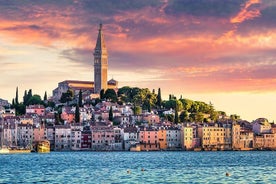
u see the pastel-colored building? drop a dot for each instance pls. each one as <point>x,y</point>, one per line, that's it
<point>26,120</point>
<point>242,139</point>
<point>35,109</point>
<point>86,139</point>
<point>173,138</point>
<point>261,125</point>
<point>149,139</point>
<point>39,133</point>
<point>102,138</point>
<point>130,137</point>
<point>187,138</point>
<point>25,135</point>
<point>162,138</point>
<point>216,137</point>
<point>62,137</point>
<point>265,141</point>
<point>75,139</point>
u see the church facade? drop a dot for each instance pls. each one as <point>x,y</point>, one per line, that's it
<point>100,74</point>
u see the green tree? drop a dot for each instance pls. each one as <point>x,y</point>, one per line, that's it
<point>77,114</point>
<point>137,110</point>
<point>184,116</point>
<point>102,94</point>
<point>199,117</point>
<point>45,96</point>
<point>67,96</point>
<point>111,95</point>
<point>25,98</point>
<point>20,109</point>
<point>110,114</point>
<point>186,104</point>
<point>16,96</point>
<point>159,99</point>
<point>176,118</point>
<point>35,99</point>
<point>80,99</point>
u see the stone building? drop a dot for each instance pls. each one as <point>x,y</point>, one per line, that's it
<point>100,74</point>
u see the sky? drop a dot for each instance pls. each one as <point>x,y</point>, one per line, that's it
<point>219,52</point>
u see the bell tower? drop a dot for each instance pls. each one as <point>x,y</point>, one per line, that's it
<point>100,63</point>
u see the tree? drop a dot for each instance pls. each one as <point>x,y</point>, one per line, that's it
<point>36,99</point>
<point>80,99</point>
<point>110,114</point>
<point>67,96</point>
<point>25,97</point>
<point>77,114</point>
<point>176,118</point>
<point>45,96</point>
<point>20,109</point>
<point>159,98</point>
<point>184,116</point>
<point>102,94</point>
<point>111,95</point>
<point>16,96</point>
<point>137,110</point>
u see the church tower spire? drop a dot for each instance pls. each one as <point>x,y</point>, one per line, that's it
<point>100,63</point>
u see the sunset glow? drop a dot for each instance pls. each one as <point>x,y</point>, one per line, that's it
<point>216,51</point>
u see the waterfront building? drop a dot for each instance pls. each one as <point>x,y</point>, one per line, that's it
<point>25,135</point>
<point>86,138</point>
<point>39,133</point>
<point>130,137</point>
<point>76,138</point>
<point>242,139</point>
<point>9,131</point>
<point>162,138</point>
<point>216,137</point>
<point>62,137</point>
<point>148,137</point>
<point>261,125</point>
<point>49,134</point>
<point>187,137</point>
<point>265,141</point>
<point>173,138</point>
<point>102,136</point>
<point>118,139</point>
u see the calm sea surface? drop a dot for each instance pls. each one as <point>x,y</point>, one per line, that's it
<point>159,167</point>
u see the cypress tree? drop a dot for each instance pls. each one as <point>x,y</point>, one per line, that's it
<point>80,98</point>
<point>25,98</point>
<point>16,97</point>
<point>176,118</point>
<point>102,94</point>
<point>159,98</point>
<point>45,96</point>
<point>110,114</point>
<point>77,114</point>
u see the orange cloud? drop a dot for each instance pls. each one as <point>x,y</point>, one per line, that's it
<point>247,12</point>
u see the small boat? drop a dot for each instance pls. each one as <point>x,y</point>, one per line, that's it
<point>43,146</point>
<point>135,148</point>
<point>4,151</point>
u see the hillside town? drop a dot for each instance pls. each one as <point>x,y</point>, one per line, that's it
<point>112,126</point>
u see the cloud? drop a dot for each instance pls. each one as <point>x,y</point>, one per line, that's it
<point>248,11</point>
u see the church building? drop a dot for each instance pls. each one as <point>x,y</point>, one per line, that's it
<point>100,74</point>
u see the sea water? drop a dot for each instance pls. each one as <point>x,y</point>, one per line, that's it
<point>139,167</point>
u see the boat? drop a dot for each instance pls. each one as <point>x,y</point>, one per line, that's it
<point>4,151</point>
<point>135,148</point>
<point>43,146</point>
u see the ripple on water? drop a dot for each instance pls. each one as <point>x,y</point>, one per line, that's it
<point>160,167</point>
